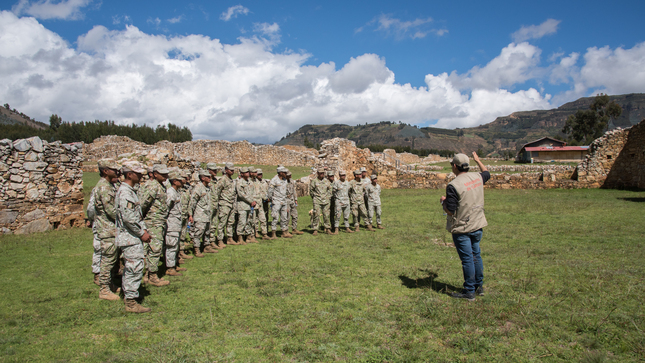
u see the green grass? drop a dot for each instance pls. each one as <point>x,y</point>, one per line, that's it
<point>563,270</point>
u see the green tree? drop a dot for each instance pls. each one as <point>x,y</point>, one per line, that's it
<point>54,122</point>
<point>308,143</point>
<point>587,125</point>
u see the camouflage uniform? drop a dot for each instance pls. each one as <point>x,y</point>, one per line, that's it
<point>130,227</point>
<point>341,195</point>
<point>185,201</point>
<point>356,197</point>
<point>245,196</point>
<point>374,202</point>
<point>96,242</point>
<point>153,199</point>
<point>320,191</point>
<point>200,210</point>
<point>104,195</point>
<point>292,201</point>
<point>225,192</point>
<point>173,201</point>
<point>261,189</point>
<point>278,195</point>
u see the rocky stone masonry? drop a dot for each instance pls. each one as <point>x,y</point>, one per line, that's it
<point>600,159</point>
<point>628,171</point>
<point>41,185</point>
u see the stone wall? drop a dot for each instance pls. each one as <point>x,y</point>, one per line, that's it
<point>601,157</point>
<point>217,151</point>
<point>41,185</point>
<point>628,171</point>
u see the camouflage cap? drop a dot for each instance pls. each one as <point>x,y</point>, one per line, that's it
<point>330,173</point>
<point>341,172</point>
<point>320,170</point>
<point>108,163</point>
<point>373,177</point>
<point>133,166</point>
<point>357,172</point>
<point>203,172</point>
<point>282,169</point>
<point>175,175</point>
<point>288,172</point>
<point>212,166</point>
<point>229,166</point>
<point>362,169</point>
<point>259,171</point>
<point>160,168</point>
<point>244,169</point>
<point>252,169</point>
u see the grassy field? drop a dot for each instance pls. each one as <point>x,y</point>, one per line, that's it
<point>563,272</point>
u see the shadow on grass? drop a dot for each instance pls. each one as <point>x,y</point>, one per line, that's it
<point>637,200</point>
<point>429,282</point>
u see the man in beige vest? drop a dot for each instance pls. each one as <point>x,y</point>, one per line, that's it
<point>464,206</point>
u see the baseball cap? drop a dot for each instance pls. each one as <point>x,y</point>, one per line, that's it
<point>460,160</point>
<point>108,163</point>
<point>373,177</point>
<point>160,168</point>
<point>133,166</point>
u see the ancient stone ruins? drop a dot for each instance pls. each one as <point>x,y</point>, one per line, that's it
<point>41,183</point>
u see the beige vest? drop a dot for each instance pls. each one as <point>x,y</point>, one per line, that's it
<point>469,215</point>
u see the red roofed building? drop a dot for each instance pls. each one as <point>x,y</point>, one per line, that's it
<point>549,149</point>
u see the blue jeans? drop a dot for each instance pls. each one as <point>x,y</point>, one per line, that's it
<point>467,245</point>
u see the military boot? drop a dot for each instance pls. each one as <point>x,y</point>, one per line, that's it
<point>145,277</point>
<point>183,255</point>
<point>265,237</point>
<point>210,249</point>
<point>335,231</point>
<point>230,242</point>
<point>96,279</point>
<point>315,232</point>
<point>180,268</point>
<point>181,261</point>
<point>131,306</point>
<point>357,228</point>
<point>369,228</point>
<point>380,227</point>
<point>327,231</point>
<point>172,271</point>
<point>348,230</point>
<point>197,253</point>
<point>286,234</point>
<point>220,245</point>
<point>154,280</point>
<point>106,294</point>
<point>295,231</point>
<point>273,235</point>
<point>251,239</point>
<point>240,240</point>
<point>257,234</point>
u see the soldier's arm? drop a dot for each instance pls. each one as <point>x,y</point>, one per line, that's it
<point>270,191</point>
<point>91,208</point>
<point>109,205</point>
<point>131,219</point>
<point>194,199</point>
<point>146,198</point>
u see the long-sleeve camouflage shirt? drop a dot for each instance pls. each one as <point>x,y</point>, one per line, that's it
<point>341,192</point>
<point>185,200</point>
<point>129,217</point>
<point>320,190</point>
<point>278,191</point>
<point>262,187</point>
<point>373,194</point>
<point>173,201</point>
<point>245,194</point>
<point>153,203</point>
<point>104,209</point>
<point>292,196</point>
<point>225,191</point>
<point>356,192</point>
<point>200,204</point>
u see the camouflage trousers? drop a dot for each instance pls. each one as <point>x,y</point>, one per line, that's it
<point>172,248</point>
<point>358,209</point>
<point>226,219</point>
<point>154,249</point>
<point>279,213</point>
<point>293,215</point>
<point>259,215</point>
<point>321,210</point>
<point>133,271</point>
<point>108,260</point>
<point>184,231</point>
<point>96,256</point>
<point>244,223</point>
<point>201,233</point>
<point>341,212</point>
<point>374,209</point>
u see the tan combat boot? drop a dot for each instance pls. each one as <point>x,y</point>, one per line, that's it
<point>251,239</point>
<point>181,261</point>
<point>96,279</point>
<point>230,242</point>
<point>335,231</point>
<point>197,253</point>
<point>180,268</point>
<point>348,230</point>
<point>295,231</point>
<point>210,249</point>
<point>154,280</point>
<point>265,237</point>
<point>273,235</point>
<point>369,228</point>
<point>240,240</point>
<point>380,227</point>
<point>221,245</point>
<point>131,306</point>
<point>145,277</point>
<point>106,294</point>
<point>327,231</point>
<point>286,234</point>
<point>315,232</point>
<point>257,234</point>
<point>183,255</point>
<point>172,271</point>
<point>357,228</point>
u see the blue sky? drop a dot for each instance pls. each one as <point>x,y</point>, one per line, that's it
<point>256,70</point>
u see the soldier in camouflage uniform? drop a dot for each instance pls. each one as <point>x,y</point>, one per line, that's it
<point>245,191</point>
<point>292,200</point>
<point>131,231</point>
<point>332,201</point>
<point>185,192</point>
<point>277,195</point>
<point>373,192</point>
<point>199,213</point>
<point>263,208</point>
<point>357,200</point>
<point>104,216</point>
<point>173,201</point>
<point>340,190</point>
<point>260,191</point>
<point>225,193</point>
<point>320,191</point>
<point>212,233</point>
<point>155,211</point>
<point>96,242</point>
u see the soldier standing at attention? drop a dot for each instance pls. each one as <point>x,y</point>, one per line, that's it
<point>320,191</point>
<point>332,201</point>
<point>96,242</point>
<point>185,201</point>
<point>173,201</point>
<point>104,222</point>
<point>155,211</point>
<point>225,194</point>
<point>292,201</point>
<point>340,189</point>
<point>357,200</point>
<point>212,233</point>
<point>373,192</point>
<point>245,191</point>
<point>277,195</point>
<point>262,208</point>
<point>131,231</point>
<point>199,213</point>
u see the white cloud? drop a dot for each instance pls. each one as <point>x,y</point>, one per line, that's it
<point>266,28</point>
<point>248,91</point>
<point>233,12</point>
<point>176,19</point>
<point>415,29</point>
<point>118,19</point>
<point>155,21</point>
<point>48,9</point>
<point>550,26</point>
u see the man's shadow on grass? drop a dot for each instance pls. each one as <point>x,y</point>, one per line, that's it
<point>637,200</point>
<point>429,282</point>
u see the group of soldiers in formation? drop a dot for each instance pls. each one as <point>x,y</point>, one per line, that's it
<point>145,221</point>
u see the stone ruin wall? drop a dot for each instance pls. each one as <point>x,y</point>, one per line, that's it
<point>41,185</point>
<point>628,171</point>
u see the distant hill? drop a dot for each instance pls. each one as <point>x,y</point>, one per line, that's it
<point>13,117</point>
<point>506,133</point>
